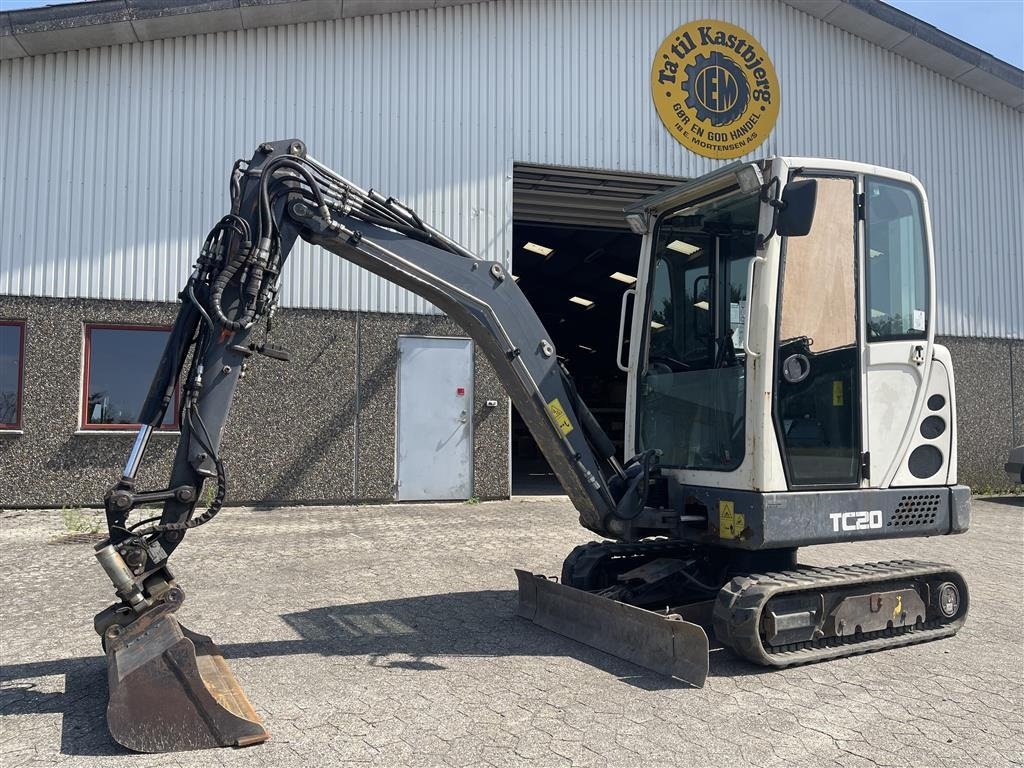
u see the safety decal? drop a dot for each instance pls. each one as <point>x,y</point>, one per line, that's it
<point>558,414</point>
<point>898,608</point>
<point>715,89</point>
<point>730,522</point>
<point>837,393</point>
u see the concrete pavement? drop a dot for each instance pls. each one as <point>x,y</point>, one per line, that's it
<point>386,636</point>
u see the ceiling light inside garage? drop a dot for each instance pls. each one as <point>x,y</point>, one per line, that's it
<point>581,301</point>
<point>622,277</point>
<point>656,325</point>
<point>543,250</point>
<point>687,249</point>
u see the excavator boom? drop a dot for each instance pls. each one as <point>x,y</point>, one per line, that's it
<point>170,688</point>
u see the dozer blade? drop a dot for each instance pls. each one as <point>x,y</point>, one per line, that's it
<point>661,643</point>
<point>171,690</point>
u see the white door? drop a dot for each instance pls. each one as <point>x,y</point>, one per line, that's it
<point>435,407</point>
<point>898,302</point>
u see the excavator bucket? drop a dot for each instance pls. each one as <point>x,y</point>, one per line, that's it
<point>171,690</point>
<point>661,643</point>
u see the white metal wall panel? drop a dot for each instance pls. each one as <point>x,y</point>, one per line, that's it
<point>114,160</point>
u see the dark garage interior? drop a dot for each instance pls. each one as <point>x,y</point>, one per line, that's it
<point>569,237</point>
<point>578,270</point>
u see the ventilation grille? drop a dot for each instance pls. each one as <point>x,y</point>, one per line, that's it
<point>919,509</point>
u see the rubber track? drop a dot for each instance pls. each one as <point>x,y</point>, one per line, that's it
<point>737,613</point>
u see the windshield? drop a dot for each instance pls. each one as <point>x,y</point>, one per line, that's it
<point>692,393</point>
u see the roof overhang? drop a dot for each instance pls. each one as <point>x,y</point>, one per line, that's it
<point>55,28</point>
<point>911,38</point>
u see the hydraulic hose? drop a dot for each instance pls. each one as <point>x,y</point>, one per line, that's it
<point>260,260</point>
<point>596,436</point>
<point>266,178</point>
<point>218,499</point>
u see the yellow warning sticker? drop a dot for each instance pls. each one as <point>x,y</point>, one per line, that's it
<point>558,414</point>
<point>730,523</point>
<point>898,609</point>
<point>837,393</point>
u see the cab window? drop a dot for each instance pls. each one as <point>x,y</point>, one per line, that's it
<point>896,263</point>
<point>692,392</point>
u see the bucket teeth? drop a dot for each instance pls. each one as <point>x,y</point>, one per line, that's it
<point>171,690</point>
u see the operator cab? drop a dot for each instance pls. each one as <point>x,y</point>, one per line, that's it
<point>786,343</point>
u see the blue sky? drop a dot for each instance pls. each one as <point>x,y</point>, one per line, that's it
<point>994,26</point>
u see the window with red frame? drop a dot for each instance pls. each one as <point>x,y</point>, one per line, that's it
<point>12,367</point>
<point>120,361</point>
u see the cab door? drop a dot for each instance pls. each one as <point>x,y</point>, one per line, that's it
<point>817,403</point>
<point>897,321</point>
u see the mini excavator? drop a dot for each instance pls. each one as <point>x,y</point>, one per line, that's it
<point>784,389</point>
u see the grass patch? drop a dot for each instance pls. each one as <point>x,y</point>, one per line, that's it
<point>79,521</point>
<point>206,498</point>
<point>80,527</point>
<point>996,489</point>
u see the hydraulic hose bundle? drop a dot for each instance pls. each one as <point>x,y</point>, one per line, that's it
<point>235,284</point>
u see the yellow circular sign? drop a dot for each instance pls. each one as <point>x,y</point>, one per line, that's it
<point>715,89</point>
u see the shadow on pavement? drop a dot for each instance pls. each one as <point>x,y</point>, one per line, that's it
<point>417,630</point>
<point>482,623</point>
<point>83,702</point>
<point>1012,501</point>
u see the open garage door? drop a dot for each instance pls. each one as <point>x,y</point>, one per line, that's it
<point>573,256</point>
<point>579,197</point>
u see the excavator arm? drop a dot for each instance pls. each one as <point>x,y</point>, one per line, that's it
<point>279,196</point>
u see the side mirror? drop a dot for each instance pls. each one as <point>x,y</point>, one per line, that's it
<point>797,212</point>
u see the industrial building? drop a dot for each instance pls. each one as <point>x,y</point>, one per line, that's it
<point>521,129</point>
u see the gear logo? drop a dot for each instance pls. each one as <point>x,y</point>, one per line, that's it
<point>715,89</point>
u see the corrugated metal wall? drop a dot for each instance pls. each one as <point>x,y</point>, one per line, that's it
<point>124,151</point>
<point>115,160</point>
